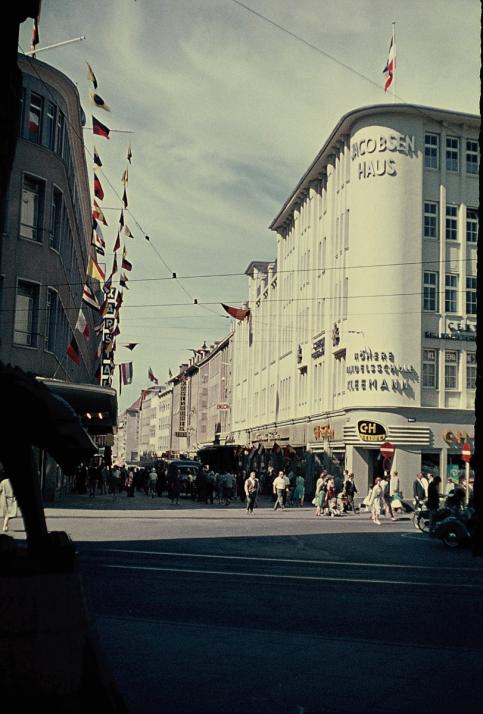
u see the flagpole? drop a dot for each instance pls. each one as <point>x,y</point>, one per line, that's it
<point>395,62</point>
<point>57,44</point>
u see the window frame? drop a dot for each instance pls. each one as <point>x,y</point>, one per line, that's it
<point>449,150</point>
<point>57,216</point>
<point>474,153</point>
<point>472,225</point>
<point>31,341</point>
<point>430,291</point>
<point>451,370</point>
<point>428,362</point>
<point>471,370</point>
<point>450,220</point>
<point>429,148</point>
<point>36,227</point>
<point>35,137</point>
<point>451,293</point>
<point>471,295</point>
<point>429,217</point>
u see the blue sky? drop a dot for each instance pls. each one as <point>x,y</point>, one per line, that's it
<point>227,112</point>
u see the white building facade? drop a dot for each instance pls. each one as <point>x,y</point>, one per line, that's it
<point>363,329</point>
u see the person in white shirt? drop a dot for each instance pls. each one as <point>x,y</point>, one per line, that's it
<point>279,489</point>
<point>251,487</point>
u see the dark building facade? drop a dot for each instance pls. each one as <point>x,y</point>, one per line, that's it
<point>46,232</point>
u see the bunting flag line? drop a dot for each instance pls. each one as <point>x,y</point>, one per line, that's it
<point>124,198</point>
<point>98,101</point>
<point>390,65</point>
<point>170,374</point>
<point>116,331</point>
<point>98,191</point>
<point>128,232</point>
<point>97,158</point>
<point>119,299</point>
<point>114,265</point>
<point>131,345</point>
<point>99,128</point>
<point>126,264</point>
<point>103,308</point>
<point>129,154</point>
<point>107,285</point>
<point>89,297</point>
<point>121,219</point>
<point>91,76</point>
<point>99,328</point>
<point>98,214</point>
<point>126,372</point>
<point>98,231</point>
<point>117,244</point>
<point>73,351</point>
<point>82,325</point>
<point>237,312</point>
<point>125,177</point>
<point>123,281</point>
<point>152,377</point>
<point>95,270</point>
<point>99,350</point>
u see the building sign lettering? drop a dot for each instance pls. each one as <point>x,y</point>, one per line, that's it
<point>367,152</point>
<point>373,371</point>
<point>371,431</point>
<point>457,438</point>
<point>324,431</point>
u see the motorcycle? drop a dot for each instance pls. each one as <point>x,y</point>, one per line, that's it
<point>455,528</point>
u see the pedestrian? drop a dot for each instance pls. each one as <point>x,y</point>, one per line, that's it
<point>433,499</point>
<point>320,491</point>
<point>210,486</point>
<point>8,502</point>
<point>331,499</point>
<point>419,493</point>
<point>279,488</point>
<point>376,501</point>
<point>105,474</point>
<point>115,481</point>
<point>153,482</point>
<point>173,483</point>
<point>92,477</point>
<point>299,492</point>
<point>425,483</point>
<point>251,488</point>
<point>228,486</point>
<point>395,494</point>
<point>350,491</point>
<point>130,483</point>
<point>384,484</point>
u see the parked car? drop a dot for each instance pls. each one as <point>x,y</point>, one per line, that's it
<point>188,470</point>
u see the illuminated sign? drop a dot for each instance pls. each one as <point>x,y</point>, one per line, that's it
<point>323,432</point>
<point>371,431</point>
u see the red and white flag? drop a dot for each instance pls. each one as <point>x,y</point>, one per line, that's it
<point>238,313</point>
<point>152,377</point>
<point>390,65</point>
<point>82,325</point>
<point>126,372</point>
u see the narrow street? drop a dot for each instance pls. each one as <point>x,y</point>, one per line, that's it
<point>203,608</point>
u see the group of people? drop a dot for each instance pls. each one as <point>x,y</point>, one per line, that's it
<point>334,495</point>
<point>384,497</point>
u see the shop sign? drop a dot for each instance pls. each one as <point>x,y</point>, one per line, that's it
<point>377,371</point>
<point>371,431</point>
<point>370,153</point>
<point>181,434</point>
<point>324,431</point>
<point>456,438</point>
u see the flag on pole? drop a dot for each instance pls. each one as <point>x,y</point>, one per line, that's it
<point>152,377</point>
<point>390,65</point>
<point>98,191</point>
<point>97,158</point>
<point>95,270</point>
<point>100,128</point>
<point>89,297</point>
<point>73,350</point>
<point>98,101</point>
<point>91,76</point>
<point>82,325</point>
<point>98,214</point>
<point>237,312</point>
<point>35,33</point>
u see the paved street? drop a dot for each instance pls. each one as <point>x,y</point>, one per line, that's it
<point>203,608</point>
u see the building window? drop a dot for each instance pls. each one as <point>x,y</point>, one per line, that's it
<point>60,133</point>
<point>472,157</point>
<point>451,222</point>
<point>56,220</point>
<point>430,219</point>
<point>51,320</point>
<point>452,153</point>
<point>31,209</point>
<point>430,369</point>
<point>471,295</point>
<point>472,225</point>
<point>451,293</point>
<point>35,118</point>
<point>431,151</point>
<point>430,292</point>
<point>451,369</point>
<point>50,118</point>
<point>26,314</point>
<point>470,370</point>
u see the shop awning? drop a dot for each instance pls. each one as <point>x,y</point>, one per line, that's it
<point>95,405</point>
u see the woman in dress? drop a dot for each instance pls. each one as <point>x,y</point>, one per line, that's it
<point>376,501</point>
<point>319,498</point>
<point>299,492</point>
<point>8,502</point>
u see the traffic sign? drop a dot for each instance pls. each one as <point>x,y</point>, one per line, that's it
<point>387,449</point>
<point>466,451</point>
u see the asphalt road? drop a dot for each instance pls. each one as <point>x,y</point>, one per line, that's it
<point>205,609</point>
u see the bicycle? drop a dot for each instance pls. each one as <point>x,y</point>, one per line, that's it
<point>421,518</point>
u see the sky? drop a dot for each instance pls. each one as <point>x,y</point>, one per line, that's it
<point>227,111</point>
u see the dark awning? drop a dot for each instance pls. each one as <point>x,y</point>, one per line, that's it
<point>95,405</point>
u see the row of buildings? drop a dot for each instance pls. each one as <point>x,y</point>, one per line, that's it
<point>362,330</point>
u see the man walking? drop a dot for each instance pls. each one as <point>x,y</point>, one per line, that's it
<point>279,488</point>
<point>418,490</point>
<point>251,490</point>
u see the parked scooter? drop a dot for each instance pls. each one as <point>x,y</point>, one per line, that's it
<point>453,527</point>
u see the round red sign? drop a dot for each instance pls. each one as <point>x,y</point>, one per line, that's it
<point>466,452</point>
<point>387,449</point>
